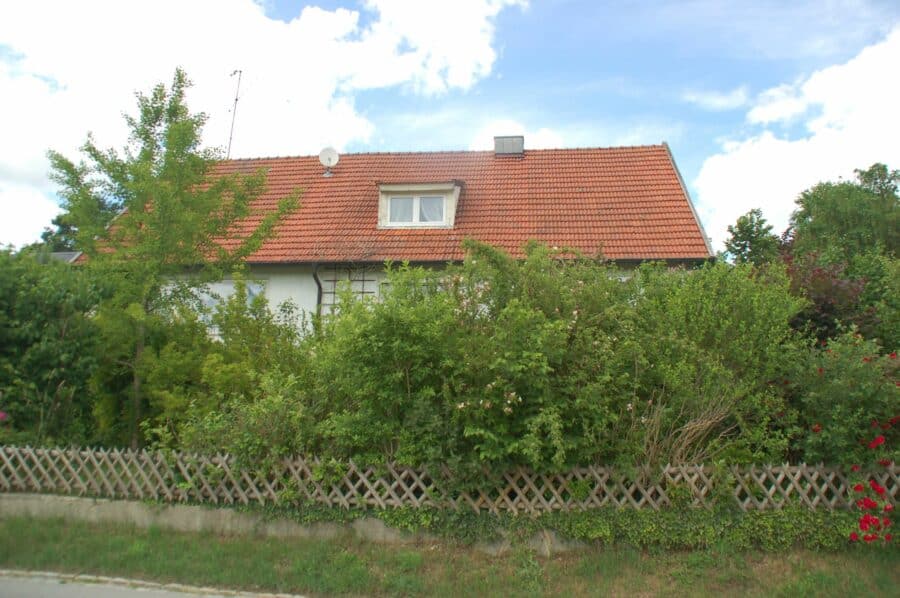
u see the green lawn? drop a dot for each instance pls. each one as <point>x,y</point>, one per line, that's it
<point>317,567</point>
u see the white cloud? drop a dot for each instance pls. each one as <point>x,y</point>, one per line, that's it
<point>69,67</point>
<point>542,138</point>
<point>778,104</point>
<point>847,115</point>
<point>717,100</point>
<point>26,212</point>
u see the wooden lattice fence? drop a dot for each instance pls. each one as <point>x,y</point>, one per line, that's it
<point>180,477</point>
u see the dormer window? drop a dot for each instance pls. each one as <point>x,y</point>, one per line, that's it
<point>416,209</point>
<point>430,205</point>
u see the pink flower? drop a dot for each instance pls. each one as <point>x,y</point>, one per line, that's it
<point>3,416</point>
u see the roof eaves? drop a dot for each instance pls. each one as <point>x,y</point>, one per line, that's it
<point>687,196</point>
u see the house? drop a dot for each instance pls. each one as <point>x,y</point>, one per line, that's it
<point>628,203</point>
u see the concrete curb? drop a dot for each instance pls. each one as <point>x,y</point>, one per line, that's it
<point>192,518</point>
<point>135,583</point>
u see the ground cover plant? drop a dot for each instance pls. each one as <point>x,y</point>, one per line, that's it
<point>348,567</point>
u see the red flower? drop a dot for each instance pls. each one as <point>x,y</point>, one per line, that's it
<point>866,503</point>
<point>893,355</point>
<point>859,488</point>
<point>875,424</point>
<point>884,462</point>
<point>888,537</point>
<point>867,521</point>
<point>854,537</point>
<point>821,371</point>
<point>878,441</point>
<point>817,428</point>
<point>854,468</point>
<point>888,508</point>
<point>886,522</point>
<point>867,359</point>
<point>885,426</point>
<point>895,420</point>
<point>870,537</point>
<point>879,490</point>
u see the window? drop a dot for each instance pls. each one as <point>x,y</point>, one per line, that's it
<point>425,205</point>
<point>402,209</point>
<point>417,209</point>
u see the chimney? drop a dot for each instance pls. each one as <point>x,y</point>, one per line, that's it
<point>509,145</point>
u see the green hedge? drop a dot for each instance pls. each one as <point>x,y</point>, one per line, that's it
<point>667,529</point>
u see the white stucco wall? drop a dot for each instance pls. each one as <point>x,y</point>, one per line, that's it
<point>296,283</point>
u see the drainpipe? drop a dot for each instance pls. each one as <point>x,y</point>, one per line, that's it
<point>319,289</point>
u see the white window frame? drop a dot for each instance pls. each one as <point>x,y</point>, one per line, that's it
<point>448,191</point>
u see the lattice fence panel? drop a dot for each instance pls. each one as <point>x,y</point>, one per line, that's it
<point>218,479</point>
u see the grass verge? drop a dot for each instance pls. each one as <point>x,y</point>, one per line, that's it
<point>350,567</point>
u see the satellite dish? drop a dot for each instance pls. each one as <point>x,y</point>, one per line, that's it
<point>328,157</point>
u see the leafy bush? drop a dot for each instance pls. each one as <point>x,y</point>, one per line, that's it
<point>496,364</point>
<point>48,350</point>
<point>711,342</point>
<point>550,363</point>
<point>846,395</point>
<point>216,391</point>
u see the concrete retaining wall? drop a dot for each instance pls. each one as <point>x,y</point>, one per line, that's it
<point>188,518</point>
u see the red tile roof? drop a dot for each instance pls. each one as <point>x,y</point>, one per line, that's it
<point>628,203</point>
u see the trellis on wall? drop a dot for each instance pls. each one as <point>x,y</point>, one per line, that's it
<point>181,477</point>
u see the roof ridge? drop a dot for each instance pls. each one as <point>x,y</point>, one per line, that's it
<point>433,152</point>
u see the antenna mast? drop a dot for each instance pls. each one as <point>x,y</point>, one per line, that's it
<point>234,110</point>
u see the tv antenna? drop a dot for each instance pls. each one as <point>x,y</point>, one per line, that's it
<point>328,157</point>
<point>237,72</point>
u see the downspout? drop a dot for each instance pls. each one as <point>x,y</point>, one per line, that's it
<point>318,289</point>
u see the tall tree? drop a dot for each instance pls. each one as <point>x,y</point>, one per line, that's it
<point>849,218</point>
<point>176,230</point>
<point>751,240</point>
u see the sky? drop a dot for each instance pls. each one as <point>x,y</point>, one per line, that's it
<point>758,100</point>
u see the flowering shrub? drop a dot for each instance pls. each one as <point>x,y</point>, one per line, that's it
<point>848,401</point>
<point>875,523</point>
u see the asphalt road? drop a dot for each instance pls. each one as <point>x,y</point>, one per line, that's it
<point>22,587</point>
<point>14,586</point>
